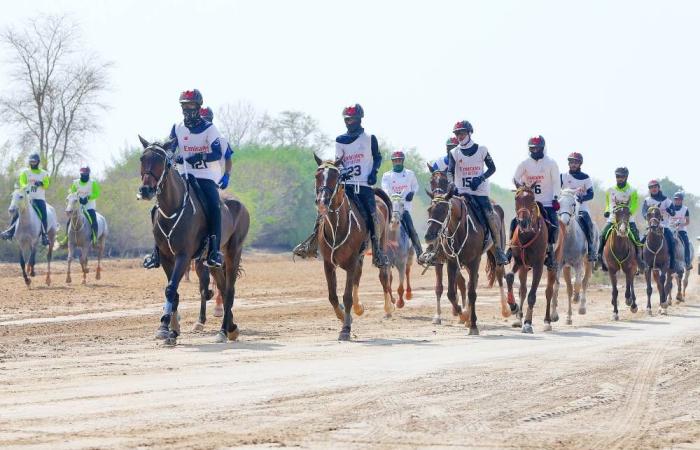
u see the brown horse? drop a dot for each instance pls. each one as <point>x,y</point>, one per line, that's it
<point>461,240</point>
<point>179,230</point>
<point>656,258</point>
<point>619,255</point>
<point>343,237</point>
<point>529,245</point>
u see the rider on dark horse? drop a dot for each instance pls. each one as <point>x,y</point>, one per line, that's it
<point>583,185</point>
<point>361,161</point>
<point>466,165</point>
<point>403,182</point>
<point>541,172</point>
<point>658,199</point>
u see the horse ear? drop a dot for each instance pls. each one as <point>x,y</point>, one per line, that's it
<point>168,145</point>
<point>430,194</point>
<point>317,159</point>
<point>517,184</point>
<point>430,167</point>
<point>338,162</point>
<point>450,191</point>
<point>143,142</point>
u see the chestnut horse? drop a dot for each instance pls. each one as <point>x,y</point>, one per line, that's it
<point>343,237</point>
<point>656,258</point>
<point>619,254</point>
<point>529,246</point>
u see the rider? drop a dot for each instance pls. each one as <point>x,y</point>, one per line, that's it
<point>403,182</point>
<point>658,199</point>
<point>467,161</point>
<point>361,161</point>
<point>38,181</point>
<point>680,221</point>
<point>622,192</point>
<point>582,183</point>
<point>541,172</point>
<point>442,164</point>
<point>88,191</point>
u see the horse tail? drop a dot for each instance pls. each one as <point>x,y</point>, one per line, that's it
<point>379,192</point>
<point>490,268</point>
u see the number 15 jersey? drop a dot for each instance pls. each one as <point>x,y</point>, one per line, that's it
<point>468,167</point>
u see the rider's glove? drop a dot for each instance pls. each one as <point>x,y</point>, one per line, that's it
<point>223,182</point>
<point>346,174</point>
<point>409,196</point>
<point>38,183</point>
<point>83,200</point>
<point>476,182</point>
<point>179,160</point>
<point>579,198</point>
<point>372,178</point>
<point>555,204</point>
<point>606,214</point>
<point>194,159</point>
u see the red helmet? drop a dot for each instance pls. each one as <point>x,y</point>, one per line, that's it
<point>463,125</point>
<point>536,142</point>
<point>653,183</point>
<point>355,111</point>
<point>451,143</point>
<point>398,154</point>
<point>193,96</point>
<point>576,156</point>
<point>206,113</point>
<point>85,169</point>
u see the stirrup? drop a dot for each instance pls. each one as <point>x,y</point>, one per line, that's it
<point>151,261</point>
<point>304,250</point>
<point>6,235</point>
<point>214,260</point>
<point>501,258</point>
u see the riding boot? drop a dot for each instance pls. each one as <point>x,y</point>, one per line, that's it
<point>638,249</point>
<point>671,241</point>
<point>509,251</point>
<point>379,259</point>
<point>93,225</point>
<point>590,237</point>
<point>152,261</point>
<point>492,220</point>
<point>683,236</point>
<point>408,223</point>
<point>550,262</point>
<point>10,232</point>
<point>214,257</point>
<point>308,248</point>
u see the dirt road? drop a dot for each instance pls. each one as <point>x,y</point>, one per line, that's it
<point>79,369</point>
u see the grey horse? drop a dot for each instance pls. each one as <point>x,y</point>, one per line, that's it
<point>682,275</point>
<point>399,250</point>
<point>80,237</point>
<point>574,256</point>
<point>28,232</point>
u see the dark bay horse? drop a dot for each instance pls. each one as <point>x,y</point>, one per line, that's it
<point>179,229</point>
<point>656,258</point>
<point>343,237</point>
<point>619,255</point>
<point>529,245</point>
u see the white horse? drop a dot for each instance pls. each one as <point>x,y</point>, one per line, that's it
<point>28,232</point>
<point>399,250</point>
<point>80,236</point>
<point>574,255</point>
<point>682,276</point>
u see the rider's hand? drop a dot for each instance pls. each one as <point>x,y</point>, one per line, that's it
<point>345,174</point>
<point>223,182</point>
<point>83,200</point>
<point>606,214</point>
<point>579,198</point>
<point>372,178</point>
<point>409,196</point>
<point>38,183</point>
<point>194,159</point>
<point>179,160</point>
<point>555,204</point>
<point>476,182</point>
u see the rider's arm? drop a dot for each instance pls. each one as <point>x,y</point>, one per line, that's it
<point>23,179</point>
<point>519,173</point>
<point>46,181</point>
<point>607,202</point>
<point>589,191</point>
<point>414,183</point>
<point>645,207</point>
<point>95,194</point>
<point>490,166</point>
<point>451,166</point>
<point>376,155</point>
<point>215,153</point>
<point>386,185</point>
<point>555,179</point>
<point>634,203</point>
<point>687,217</point>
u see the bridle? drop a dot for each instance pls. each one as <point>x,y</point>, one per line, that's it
<point>446,238</point>
<point>654,228</point>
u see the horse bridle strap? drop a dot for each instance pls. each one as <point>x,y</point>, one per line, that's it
<point>446,239</point>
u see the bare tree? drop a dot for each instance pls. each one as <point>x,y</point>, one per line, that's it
<point>240,123</point>
<point>293,129</point>
<point>55,98</point>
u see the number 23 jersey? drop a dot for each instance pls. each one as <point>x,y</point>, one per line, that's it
<point>189,144</point>
<point>358,156</point>
<point>468,167</point>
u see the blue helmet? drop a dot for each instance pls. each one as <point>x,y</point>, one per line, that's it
<point>193,96</point>
<point>34,158</point>
<point>679,195</point>
<point>355,111</point>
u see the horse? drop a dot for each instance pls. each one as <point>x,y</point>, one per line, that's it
<point>180,230</point>
<point>574,255</point>
<point>656,258</point>
<point>399,250</point>
<point>681,276</point>
<point>619,255</point>
<point>80,236</point>
<point>343,237</point>
<point>28,231</point>
<point>453,230</point>
<point>529,244</point>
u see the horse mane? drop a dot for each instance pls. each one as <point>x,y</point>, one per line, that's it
<point>385,198</point>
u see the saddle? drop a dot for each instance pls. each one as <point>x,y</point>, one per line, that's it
<point>480,218</point>
<point>192,182</point>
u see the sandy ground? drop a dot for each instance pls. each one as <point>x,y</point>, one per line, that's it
<point>79,368</point>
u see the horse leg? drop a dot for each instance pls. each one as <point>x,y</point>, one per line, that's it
<point>462,285</point>
<point>647,278</point>
<point>347,303</point>
<point>49,255</point>
<point>679,294</point>
<point>232,262</point>
<point>566,271</point>
<point>22,264</point>
<point>32,262</point>
<point>549,296</point>
<point>629,290</point>
<point>613,281</point>
<point>664,298</point>
<point>69,259</point>
<point>384,274</point>
<point>409,291</point>
<point>473,280</point>
<point>554,313</point>
<point>401,268</point>
<point>170,315</point>
<point>437,319</point>
<point>513,306</point>
<point>452,274</point>
<point>587,270</point>
<point>522,292</point>
<point>505,310</point>
<point>532,298</point>
<point>332,282</point>
<point>357,306</point>
<point>100,251</point>
<point>204,294</point>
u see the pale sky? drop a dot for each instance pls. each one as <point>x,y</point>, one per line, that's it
<point>618,81</point>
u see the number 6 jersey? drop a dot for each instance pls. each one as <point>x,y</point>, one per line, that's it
<point>468,167</point>
<point>544,175</point>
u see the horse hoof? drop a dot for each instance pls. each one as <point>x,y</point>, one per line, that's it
<point>628,301</point>
<point>220,337</point>
<point>48,281</point>
<point>170,341</point>
<point>28,282</point>
<point>359,309</point>
<point>162,333</point>
<point>409,295</point>
<point>555,317</point>
<point>634,309</point>
<point>69,280</point>
<point>473,331</point>
<point>547,327</point>
<point>344,336</point>
<point>582,311</point>
<point>400,303</point>
<point>663,305</point>
<point>517,324</point>
<point>615,317</point>
<point>463,317</point>
<point>662,311</point>
<point>199,326</point>
<point>569,321</point>
<point>219,311</point>
<point>527,328</point>
<point>649,313</point>
<point>437,321</point>
<point>233,335</point>
<point>387,316</point>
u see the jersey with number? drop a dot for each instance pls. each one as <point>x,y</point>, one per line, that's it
<point>468,167</point>
<point>89,190</point>
<point>357,155</point>
<point>29,177</point>
<point>190,144</point>
<point>568,181</point>
<point>678,221</point>
<point>663,205</point>
<point>543,175</point>
<point>400,183</point>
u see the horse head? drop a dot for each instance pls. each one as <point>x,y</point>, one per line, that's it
<point>567,205</point>
<point>397,209</point>
<point>72,204</point>
<point>328,184</point>
<point>438,181</point>
<point>156,161</point>
<point>439,214</point>
<point>621,218</point>
<point>654,218</point>
<point>526,209</point>
<point>20,200</point>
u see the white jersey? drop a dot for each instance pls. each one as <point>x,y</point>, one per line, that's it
<point>662,205</point>
<point>35,192</point>
<point>544,175</point>
<point>400,183</point>
<point>358,156</point>
<point>678,221</point>
<point>581,187</point>
<point>441,164</point>
<point>468,167</point>
<point>85,190</point>
<point>189,144</point>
